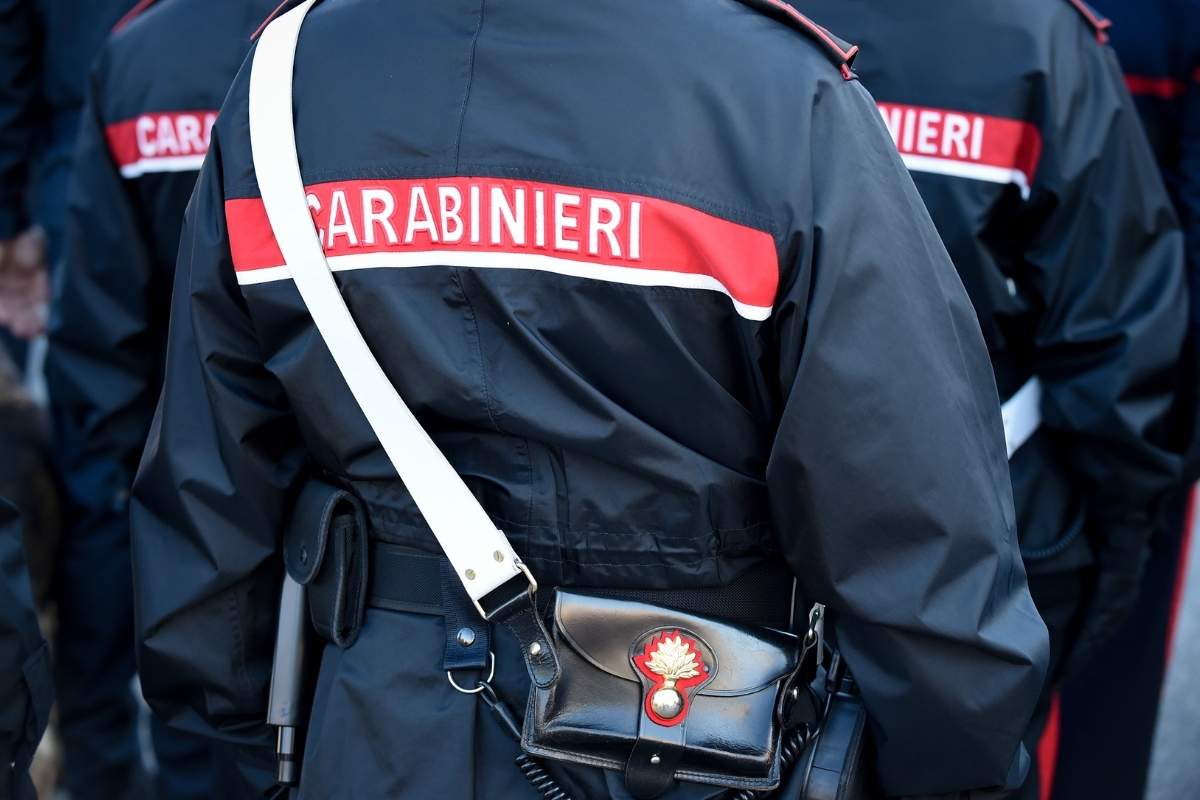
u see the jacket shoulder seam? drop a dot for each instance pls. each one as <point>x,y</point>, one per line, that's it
<point>840,53</point>
<point>1096,21</point>
<point>138,9</point>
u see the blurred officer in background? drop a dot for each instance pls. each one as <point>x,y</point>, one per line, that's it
<point>1016,126</point>
<point>723,337</point>
<point>26,686</point>
<point>152,98</point>
<point>27,478</point>
<point>45,49</point>
<point>1158,44</point>
<point>1110,709</point>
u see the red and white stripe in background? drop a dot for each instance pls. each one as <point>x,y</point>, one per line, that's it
<point>168,141</point>
<point>966,145</point>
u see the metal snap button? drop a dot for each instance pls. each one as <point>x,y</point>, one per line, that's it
<point>466,637</point>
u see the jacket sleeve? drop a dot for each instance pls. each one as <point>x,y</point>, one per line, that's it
<point>1189,168</point>
<point>1106,260</point>
<point>210,498</point>
<point>888,477</point>
<point>888,474</point>
<point>18,83</point>
<point>103,361</point>
<point>26,685</point>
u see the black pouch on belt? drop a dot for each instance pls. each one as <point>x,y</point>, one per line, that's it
<point>664,695</point>
<point>325,550</point>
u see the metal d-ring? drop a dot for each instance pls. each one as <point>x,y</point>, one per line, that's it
<point>482,683</point>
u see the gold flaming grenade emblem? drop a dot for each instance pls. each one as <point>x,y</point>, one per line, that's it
<point>673,662</point>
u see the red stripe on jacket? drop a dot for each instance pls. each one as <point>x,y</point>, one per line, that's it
<point>479,215</point>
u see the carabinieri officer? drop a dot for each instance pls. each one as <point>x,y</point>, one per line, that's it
<point>657,284</point>
<point>1026,148</point>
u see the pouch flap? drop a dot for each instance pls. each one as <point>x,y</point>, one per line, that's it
<point>307,536</point>
<point>603,630</point>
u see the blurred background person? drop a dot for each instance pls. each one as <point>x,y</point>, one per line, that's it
<point>45,49</point>
<point>1109,711</point>
<point>26,688</point>
<point>152,98</point>
<point>1019,133</point>
<point>27,481</point>
<point>27,477</point>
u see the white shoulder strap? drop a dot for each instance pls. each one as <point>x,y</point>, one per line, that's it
<point>480,554</point>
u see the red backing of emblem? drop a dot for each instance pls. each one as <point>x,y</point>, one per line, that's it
<point>642,660</point>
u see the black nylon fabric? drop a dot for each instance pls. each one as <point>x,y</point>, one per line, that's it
<point>622,435</point>
<point>26,686</point>
<point>1159,47</point>
<point>1081,282</point>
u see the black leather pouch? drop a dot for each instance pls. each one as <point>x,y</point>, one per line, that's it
<point>663,695</point>
<point>325,550</point>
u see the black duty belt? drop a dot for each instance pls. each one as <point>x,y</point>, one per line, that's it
<point>328,549</point>
<point>403,579</point>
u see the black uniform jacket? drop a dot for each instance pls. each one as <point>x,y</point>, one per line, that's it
<point>153,95</point>
<point>1159,47</point>
<point>26,685</point>
<point>656,281</point>
<point>1023,141</point>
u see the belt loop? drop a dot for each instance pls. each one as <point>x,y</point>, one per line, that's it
<point>468,636</point>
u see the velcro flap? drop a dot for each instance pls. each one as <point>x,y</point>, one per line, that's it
<point>307,536</point>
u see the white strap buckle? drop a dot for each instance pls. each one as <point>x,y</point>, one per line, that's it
<point>532,588</point>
